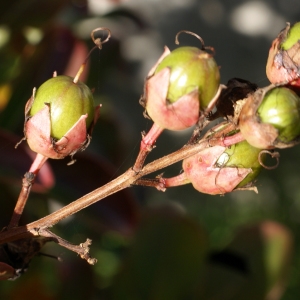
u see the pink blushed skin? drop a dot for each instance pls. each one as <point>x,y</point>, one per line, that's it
<point>179,115</point>
<point>205,177</point>
<point>38,130</point>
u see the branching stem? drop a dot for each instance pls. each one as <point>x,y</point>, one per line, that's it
<point>123,181</point>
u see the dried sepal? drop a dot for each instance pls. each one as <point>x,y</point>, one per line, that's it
<point>283,63</point>
<point>260,135</point>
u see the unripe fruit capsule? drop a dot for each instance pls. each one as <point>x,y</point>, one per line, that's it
<point>242,155</point>
<point>281,108</point>
<point>68,101</point>
<point>191,68</point>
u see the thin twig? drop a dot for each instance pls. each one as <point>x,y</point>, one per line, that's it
<point>27,183</point>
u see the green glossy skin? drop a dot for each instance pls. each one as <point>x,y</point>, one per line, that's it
<point>241,155</point>
<point>281,108</point>
<point>292,38</point>
<point>191,68</point>
<point>68,102</point>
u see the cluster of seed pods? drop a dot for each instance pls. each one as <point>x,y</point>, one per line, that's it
<point>184,87</point>
<point>183,90</point>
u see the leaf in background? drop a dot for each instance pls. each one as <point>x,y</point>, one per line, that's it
<point>56,52</point>
<point>14,163</point>
<point>255,265</point>
<point>19,13</point>
<point>118,211</point>
<point>165,260</point>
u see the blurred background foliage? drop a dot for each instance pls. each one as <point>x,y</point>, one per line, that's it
<point>150,245</point>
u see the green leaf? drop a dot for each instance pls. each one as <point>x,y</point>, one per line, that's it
<point>255,265</point>
<point>165,260</point>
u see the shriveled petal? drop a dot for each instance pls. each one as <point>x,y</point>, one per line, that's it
<point>207,178</point>
<point>179,115</point>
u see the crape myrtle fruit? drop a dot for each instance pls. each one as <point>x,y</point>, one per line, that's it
<point>59,117</point>
<point>271,118</point>
<point>220,170</point>
<point>179,86</point>
<point>181,83</point>
<point>62,94</point>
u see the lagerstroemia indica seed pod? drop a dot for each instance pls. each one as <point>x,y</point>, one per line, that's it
<point>271,118</point>
<point>60,117</point>
<point>180,84</point>
<point>220,170</point>
<point>284,57</point>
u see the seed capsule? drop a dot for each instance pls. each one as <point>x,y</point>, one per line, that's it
<point>271,118</point>
<point>67,100</point>
<point>60,117</point>
<point>191,68</point>
<point>220,170</point>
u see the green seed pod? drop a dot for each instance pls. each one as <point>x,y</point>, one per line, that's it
<point>241,155</point>
<point>281,108</point>
<point>68,101</point>
<point>191,68</point>
<point>292,38</point>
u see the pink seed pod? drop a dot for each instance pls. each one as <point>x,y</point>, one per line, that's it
<point>180,84</point>
<point>220,170</point>
<point>60,117</point>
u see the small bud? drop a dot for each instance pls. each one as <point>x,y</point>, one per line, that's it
<point>271,118</point>
<point>60,117</point>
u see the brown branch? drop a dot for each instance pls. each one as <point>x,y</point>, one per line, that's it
<point>123,181</point>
